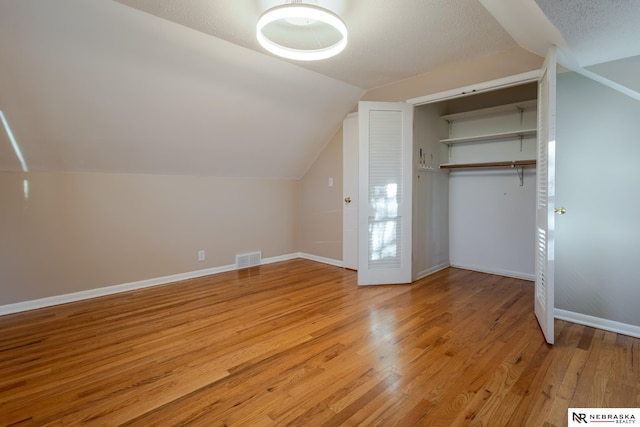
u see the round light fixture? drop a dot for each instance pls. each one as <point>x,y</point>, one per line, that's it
<point>299,12</point>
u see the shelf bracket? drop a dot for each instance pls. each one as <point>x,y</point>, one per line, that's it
<point>520,172</point>
<point>450,130</point>
<point>521,138</point>
<point>521,111</point>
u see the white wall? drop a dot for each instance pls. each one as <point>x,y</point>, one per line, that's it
<point>431,193</point>
<point>491,216</point>
<point>74,232</point>
<point>492,221</point>
<point>598,181</point>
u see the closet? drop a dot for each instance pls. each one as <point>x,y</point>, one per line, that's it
<point>474,183</point>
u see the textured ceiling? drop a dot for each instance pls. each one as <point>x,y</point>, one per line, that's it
<point>388,40</point>
<point>597,38</point>
<point>596,31</point>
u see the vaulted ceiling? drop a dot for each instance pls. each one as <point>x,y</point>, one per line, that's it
<point>177,87</point>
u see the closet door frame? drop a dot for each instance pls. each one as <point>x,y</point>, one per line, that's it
<point>488,86</point>
<point>514,80</point>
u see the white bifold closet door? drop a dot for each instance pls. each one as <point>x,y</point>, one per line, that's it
<point>545,203</point>
<point>385,193</point>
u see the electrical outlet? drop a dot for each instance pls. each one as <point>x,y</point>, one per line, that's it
<point>201,255</point>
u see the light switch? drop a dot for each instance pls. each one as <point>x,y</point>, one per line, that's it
<point>330,182</point>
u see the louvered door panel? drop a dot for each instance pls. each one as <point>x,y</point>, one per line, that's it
<point>385,193</point>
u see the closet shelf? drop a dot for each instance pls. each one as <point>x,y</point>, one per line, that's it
<point>518,106</point>
<point>488,137</point>
<point>513,164</point>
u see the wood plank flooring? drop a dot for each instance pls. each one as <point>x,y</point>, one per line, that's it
<point>299,343</point>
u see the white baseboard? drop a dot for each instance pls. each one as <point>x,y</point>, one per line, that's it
<point>323,260</point>
<point>125,287</point>
<point>279,258</point>
<point>429,271</point>
<point>497,271</point>
<point>597,322</point>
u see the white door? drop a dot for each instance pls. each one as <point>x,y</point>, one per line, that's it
<point>385,192</point>
<point>350,192</point>
<point>545,203</point>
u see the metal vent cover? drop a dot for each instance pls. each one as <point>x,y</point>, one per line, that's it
<point>248,260</point>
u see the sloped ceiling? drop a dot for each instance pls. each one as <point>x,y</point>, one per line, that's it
<point>99,86</point>
<point>182,87</point>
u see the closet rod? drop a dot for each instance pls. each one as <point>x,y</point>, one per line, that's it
<point>514,164</point>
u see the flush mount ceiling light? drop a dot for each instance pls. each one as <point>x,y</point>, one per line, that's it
<point>302,15</point>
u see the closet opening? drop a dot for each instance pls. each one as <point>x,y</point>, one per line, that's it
<point>474,185</point>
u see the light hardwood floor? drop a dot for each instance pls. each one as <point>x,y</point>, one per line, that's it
<point>298,343</point>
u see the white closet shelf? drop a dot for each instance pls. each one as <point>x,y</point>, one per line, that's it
<point>484,112</point>
<point>488,137</point>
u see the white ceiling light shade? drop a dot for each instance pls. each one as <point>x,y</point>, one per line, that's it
<point>299,12</point>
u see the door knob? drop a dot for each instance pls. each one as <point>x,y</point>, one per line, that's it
<point>347,200</point>
<point>560,211</point>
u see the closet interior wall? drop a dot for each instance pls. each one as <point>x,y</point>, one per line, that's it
<point>430,192</point>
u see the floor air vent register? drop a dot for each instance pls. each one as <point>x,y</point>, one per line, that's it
<point>248,260</point>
